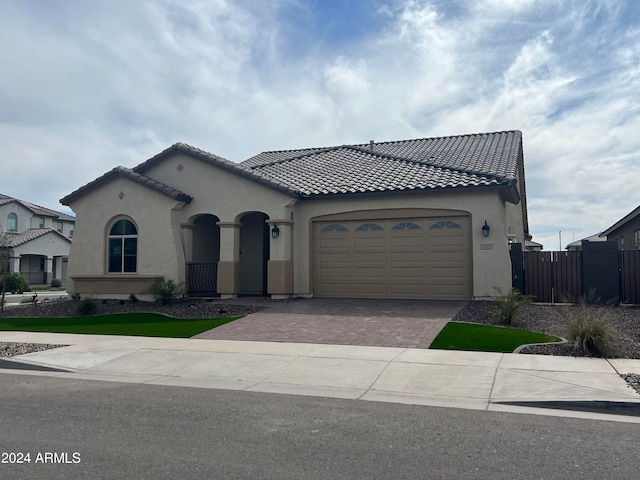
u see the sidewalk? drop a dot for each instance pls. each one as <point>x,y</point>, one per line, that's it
<point>473,380</point>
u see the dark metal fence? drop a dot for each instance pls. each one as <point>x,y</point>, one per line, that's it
<point>202,278</point>
<point>600,270</point>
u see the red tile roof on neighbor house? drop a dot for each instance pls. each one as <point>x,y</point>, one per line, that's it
<point>37,209</point>
<point>13,240</point>
<point>487,159</point>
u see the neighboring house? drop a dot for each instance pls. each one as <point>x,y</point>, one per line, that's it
<point>577,245</point>
<point>424,218</point>
<point>37,239</point>
<point>531,246</point>
<point>625,231</point>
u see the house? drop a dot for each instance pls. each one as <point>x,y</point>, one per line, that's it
<point>625,231</point>
<point>423,218</point>
<point>531,246</point>
<point>577,245</point>
<point>36,240</point>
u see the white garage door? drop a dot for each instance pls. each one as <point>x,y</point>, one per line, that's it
<point>405,258</point>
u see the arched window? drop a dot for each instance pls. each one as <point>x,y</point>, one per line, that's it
<point>334,227</point>
<point>12,222</point>
<point>445,224</point>
<point>406,226</point>
<point>368,226</point>
<point>123,247</point>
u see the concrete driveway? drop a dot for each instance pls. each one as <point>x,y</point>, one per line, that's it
<point>367,322</point>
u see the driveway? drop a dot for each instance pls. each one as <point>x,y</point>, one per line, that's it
<point>370,322</point>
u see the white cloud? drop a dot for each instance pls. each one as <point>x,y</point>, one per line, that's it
<point>112,83</point>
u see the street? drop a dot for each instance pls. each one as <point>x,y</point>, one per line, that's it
<point>76,429</point>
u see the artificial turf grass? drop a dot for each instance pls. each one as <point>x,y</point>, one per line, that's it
<point>131,324</point>
<point>486,338</point>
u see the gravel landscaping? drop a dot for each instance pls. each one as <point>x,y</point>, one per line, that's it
<point>187,308</point>
<point>550,319</point>
<point>555,320</point>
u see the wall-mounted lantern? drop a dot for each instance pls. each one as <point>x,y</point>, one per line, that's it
<point>485,229</point>
<point>275,231</point>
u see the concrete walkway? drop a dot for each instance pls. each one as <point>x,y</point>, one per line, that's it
<point>473,380</point>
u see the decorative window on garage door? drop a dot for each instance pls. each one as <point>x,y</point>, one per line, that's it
<point>406,226</point>
<point>334,227</point>
<point>445,224</point>
<point>368,226</point>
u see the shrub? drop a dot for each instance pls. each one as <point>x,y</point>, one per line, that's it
<point>508,305</point>
<point>133,298</point>
<point>87,306</point>
<point>56,283</point>
<point>15,283</point>
<point>166,291</point>
<point>590,330</point>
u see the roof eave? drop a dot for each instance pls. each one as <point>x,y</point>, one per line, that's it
<point>620,223</point>
<point>511,194</point>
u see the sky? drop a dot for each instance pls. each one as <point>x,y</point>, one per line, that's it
<point>86,86</point>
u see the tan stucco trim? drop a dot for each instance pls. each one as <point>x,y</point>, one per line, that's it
<point>113,284</point>
<point>280,277</point>
<point>228,277</point>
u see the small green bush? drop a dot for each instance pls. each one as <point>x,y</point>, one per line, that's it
<point>590,330</point>
<point>133,298</point>
<point>509,305</point>
<point>87,306</point>
<point>56,283</point>
<point>166,291</point>
<point>15,283</point>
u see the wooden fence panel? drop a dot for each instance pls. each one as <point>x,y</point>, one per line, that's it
<point>538,278</point>
<point>630,276</point>
<point>567,271</point>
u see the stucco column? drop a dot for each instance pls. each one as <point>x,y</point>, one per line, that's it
<point>57,269</point>
<point>14,264</point>
<point>280,264</point>
<point>187,241</point>
<point>48,268</point>
<point>229,263</point>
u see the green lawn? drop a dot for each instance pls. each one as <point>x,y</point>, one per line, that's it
<point>486,338</point>
<point>136,324</point>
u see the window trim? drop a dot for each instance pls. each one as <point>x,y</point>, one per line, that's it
<point>122,247</point>
<point>12,216</point>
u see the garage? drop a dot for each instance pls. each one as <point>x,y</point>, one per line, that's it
<point>418,257</point>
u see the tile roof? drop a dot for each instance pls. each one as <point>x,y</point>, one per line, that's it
<point>134,176</point>
<point>13,240</point>
<point>487,159</point>
<point>37,209</point>
<point>476,160</point>
<point>216,160</point>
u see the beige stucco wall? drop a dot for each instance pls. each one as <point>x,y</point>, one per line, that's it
<point>159,246</point>
<point>161,225</point>
<point>216,191</point>
<point>24,216</point>
<point>491,261</point>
